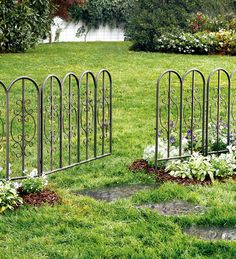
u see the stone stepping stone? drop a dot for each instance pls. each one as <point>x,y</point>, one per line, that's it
<point>176,207</point>
<point>212,233</point>
<point>114,192</point>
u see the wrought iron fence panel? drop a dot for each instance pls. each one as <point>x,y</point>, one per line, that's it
<point>196,111</point>
<point>62,124</point>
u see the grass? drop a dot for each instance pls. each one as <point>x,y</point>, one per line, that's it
<point>84,228</point>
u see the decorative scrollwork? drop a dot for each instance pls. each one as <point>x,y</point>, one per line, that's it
<point>103,111</point>
<point>23,140</point>
<point>87,115</point>
<point>168,111</point>
<point>192,108</point>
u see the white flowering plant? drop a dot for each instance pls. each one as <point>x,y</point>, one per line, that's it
<point>196,166</point>
<point>9,197</point>
<point>223,41</point>
<point>33,184</point>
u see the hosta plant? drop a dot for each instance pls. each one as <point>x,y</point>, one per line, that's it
<point>198,167</point>
<point>202,167</point>
<point>9,197</point>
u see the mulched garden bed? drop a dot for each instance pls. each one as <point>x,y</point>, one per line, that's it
<point>162,176</point>
<point>44,197</point>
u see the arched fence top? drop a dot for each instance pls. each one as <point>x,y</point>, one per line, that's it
<point>23,78</point>
<point>69,75</point>
<point>88,73</point>
<point>192,71</point>
<point>169,71</point>
<point>104,71</point>
<point>51,77</point>
<point>213,72</point>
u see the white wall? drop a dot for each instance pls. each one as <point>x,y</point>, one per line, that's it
<point>68,32</point>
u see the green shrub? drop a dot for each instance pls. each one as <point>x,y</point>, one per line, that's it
<point>23,24</point>
<point>8,196</point>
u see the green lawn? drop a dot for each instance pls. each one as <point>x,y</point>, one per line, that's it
<point>84,227</point>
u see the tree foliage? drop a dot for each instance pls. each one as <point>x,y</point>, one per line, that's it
<point>94,13</point>
<point>23,23</point>
<point>62,7</point>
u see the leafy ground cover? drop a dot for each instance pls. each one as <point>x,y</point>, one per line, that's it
<point>83,227</point>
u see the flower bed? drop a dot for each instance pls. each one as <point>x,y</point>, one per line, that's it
<point>196,167</point>
<point>30,191</point>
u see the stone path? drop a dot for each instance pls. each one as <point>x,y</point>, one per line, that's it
<point>212,233</point>
<point>115,192</point>
<point>176,207</point>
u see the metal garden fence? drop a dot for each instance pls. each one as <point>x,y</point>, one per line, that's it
<point>59,125</point>
<point>194,109</point>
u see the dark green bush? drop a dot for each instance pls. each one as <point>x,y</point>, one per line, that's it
<point>23,23</point>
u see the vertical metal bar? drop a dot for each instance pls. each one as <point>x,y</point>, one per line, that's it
<point>78,124</point>
<point>7,136</point>
<point>41,132</point>
<point>87,106</point>
<point>39,135</point>
<point>110,115</point>
<point>207,113</point>
<point>181,117</point>
<point>95,118</point>
<point>60,127</point>
<point>229,111</point>
<point>103,110</point>
<point>69,121</point>
<point>168,126</point>
<point>23,126</point>
<point>157,125</point>
<point>218,110</point>
<point>203,117</point>
<point>51,122</point>
<point>192,110</point>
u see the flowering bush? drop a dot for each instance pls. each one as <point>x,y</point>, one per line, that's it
<point>198,43</point>
<point>199,22</point>
<point>8,196</point>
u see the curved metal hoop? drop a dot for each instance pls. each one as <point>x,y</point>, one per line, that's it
<point>24,116</point>
<point>210,109</point>
<point>179,111</point>
<point>104,117</point>
<point>54,112</point>
<point>193,102</point>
